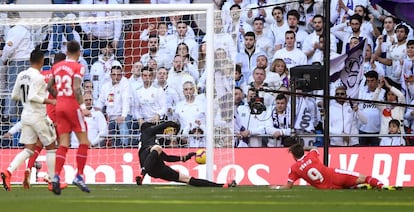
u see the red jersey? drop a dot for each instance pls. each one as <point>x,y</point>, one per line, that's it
<point>68,114</point>
<point>50,109</point>
<point>64,73</point>
<point>312,170</point>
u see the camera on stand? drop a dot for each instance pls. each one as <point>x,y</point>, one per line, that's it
<point>256,104</point>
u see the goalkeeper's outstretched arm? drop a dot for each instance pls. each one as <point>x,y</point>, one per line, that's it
<point>175,158</point>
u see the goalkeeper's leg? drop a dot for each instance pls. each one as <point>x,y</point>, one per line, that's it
<point>152,159</point>
<point>197,182</point>
<point>149,163</point>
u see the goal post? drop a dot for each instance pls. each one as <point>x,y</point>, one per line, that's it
<point>219,138</point>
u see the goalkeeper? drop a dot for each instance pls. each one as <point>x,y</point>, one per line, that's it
<point>152,157</point>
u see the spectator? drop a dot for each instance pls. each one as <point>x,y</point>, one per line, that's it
<point>259,77</point>
<point>345,36</point>
<point>370,64</point>
<point>172,22</point>
<point>16,54</point>
<point>279,24</point>
<point>280,122</point>
<point>393,129</point>
<point>342,120</point>
<point>150,101</point>
<point>394,54</point>
<point>202,58</point>
<point>389,112</point>
<point>152,63</point>
<point>290,54</point>
<point>162,57</point>
<point>190,64</point>
<point>172,97</point>
<point>388,38</point>
<point>261,10</point>
<point>101,69</point>
<point>232,5</point>
<point>300,35</point>
<point>254,124</point>
<point>247,58</point>
<point>177,76</point>
<point>223,77</point>
<point>180,37</point>
<point>279,67</point>
<point>312,45</point>
<point>368,26</point>
<point>161,31</point>
<point>264,38</point>
<point>340,10</point>
<point>407,74</point>
<point>273,79</point>
<point>240,80</point>
<point>115,97</point>
<point>223,39</point>
<point>97,125</point>
<point>191,116</point>
<point>307,10</point>
<point>135,80</point>
<point>370,111</point>
<point>87,87</point>
<point>237,27</point>
<point>240,132</point>
<point>101,33</point>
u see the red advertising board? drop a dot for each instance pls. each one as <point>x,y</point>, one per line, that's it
<point>258,166</point>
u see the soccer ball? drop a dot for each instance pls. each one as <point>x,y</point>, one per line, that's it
<point>200,156</point>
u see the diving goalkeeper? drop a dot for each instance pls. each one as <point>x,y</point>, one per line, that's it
<point>152,157</point>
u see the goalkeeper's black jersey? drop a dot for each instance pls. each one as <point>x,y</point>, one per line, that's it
<point>148,137</point>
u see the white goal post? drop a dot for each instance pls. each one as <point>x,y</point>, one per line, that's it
<point>148,11</point>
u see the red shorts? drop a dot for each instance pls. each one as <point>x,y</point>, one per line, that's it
<point>344,179</point>
<point>69,118</point>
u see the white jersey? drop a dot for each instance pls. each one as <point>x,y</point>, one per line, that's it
<point>292,58</point>
<point>370,111</point>
<point>188,114</point>
<point>149,102</point>
<point>30,89</point>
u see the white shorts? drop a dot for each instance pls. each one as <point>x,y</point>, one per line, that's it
<point>43,129</point>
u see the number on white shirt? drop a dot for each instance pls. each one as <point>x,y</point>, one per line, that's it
<point>24,92</point>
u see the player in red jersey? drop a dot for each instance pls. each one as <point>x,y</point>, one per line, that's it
<point>65,85</point>
<point>313,171</point>
<point>51,113</point>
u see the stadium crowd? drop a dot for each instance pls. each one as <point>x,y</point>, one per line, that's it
<point>259,42</point>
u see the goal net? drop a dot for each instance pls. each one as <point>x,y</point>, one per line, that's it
<point>126,39</point>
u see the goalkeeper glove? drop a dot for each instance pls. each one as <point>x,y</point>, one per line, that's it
<point>188,156</point>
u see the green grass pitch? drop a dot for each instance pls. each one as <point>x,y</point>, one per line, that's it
<point>169,198</point>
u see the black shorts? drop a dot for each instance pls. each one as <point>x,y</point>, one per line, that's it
<point>164,172</point>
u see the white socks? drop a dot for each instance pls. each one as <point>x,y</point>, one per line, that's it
<point>51,161</point>
<point>19,159</point>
